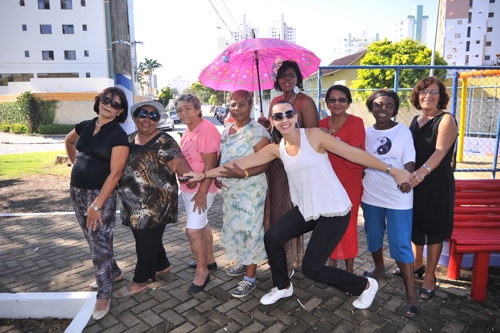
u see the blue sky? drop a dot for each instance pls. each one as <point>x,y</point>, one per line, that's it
<point>182,34</point>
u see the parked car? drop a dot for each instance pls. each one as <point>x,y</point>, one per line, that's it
<point>228,120</point>
<point>174,116</point>
<point>220,113</point>
<point>168,124</point>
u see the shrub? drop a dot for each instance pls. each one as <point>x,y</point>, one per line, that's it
<point>36,110</point>
<point>19,128</point>
<point>4,127</point>
<point>55,128</point>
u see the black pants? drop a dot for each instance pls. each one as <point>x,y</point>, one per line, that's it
<point>151,255</point>
<point>326,234</point>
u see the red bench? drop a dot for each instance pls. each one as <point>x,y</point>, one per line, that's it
<point>476,230</point>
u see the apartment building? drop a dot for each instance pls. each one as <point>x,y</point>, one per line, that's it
<point>55,45</point>
<point>469,32</point>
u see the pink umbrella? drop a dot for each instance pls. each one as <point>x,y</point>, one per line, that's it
<point>252,64</point>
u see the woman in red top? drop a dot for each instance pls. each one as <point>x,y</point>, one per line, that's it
<point>350,129</point>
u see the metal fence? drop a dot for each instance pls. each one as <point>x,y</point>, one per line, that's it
<point>474,101</point>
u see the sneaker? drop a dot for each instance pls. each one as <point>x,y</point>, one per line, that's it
<point>244,288</point>
<point>366,298</point>
<point>238,270</point>
<point>93,285</point>
<point>275,294</point>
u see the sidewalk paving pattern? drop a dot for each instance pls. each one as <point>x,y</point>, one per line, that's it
<point>48,253</point>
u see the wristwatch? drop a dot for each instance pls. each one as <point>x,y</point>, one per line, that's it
<point>94,207</point>
<point>426,167</point>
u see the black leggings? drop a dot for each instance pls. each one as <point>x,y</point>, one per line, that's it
<point>326,234</point>
<point>151,255</point>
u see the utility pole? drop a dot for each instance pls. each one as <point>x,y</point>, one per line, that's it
<point>120,48</point>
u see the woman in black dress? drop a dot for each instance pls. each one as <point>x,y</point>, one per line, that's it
<point>434,135</point>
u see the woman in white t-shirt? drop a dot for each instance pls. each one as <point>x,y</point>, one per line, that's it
<point>321,204</point>
<point>386,206</point>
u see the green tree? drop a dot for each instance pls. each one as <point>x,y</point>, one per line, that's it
<point>205,94</point>
<point>36,111</point>
<point>165,96</point>
<point>147,68</point>
<point>406,52</point>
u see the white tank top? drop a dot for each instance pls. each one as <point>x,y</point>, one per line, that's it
<point>314,186</point>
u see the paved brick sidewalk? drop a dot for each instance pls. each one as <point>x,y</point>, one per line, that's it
<point>49,253</point>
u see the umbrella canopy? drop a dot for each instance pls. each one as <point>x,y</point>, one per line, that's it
<point>252,64</point>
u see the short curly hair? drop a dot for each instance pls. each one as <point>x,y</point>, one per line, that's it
<point>189,98</point>
<point>383,92</point>
<point>444,98</point>
<point>123,100</point>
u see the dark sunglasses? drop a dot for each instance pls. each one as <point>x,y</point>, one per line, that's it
<point>106,101</point>
<point>153,115</point>
<point>341,100</point>
<point>280,115</point>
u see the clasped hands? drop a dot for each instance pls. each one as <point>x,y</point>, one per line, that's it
<point>229,170</point>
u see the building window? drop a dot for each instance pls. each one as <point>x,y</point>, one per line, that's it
<point>468,31</point>
<point>487,57</point>
<point>491,14</point>
<point>55,75</point>
<point>489,29</point>
<point>454,50</point>
<point>459,22</point>
<point>466,60</point>
<point>448,56</point>
<point>467,46</point>
<point>470,18</point>
<point>45,29</point>
<point>86,53</point>
<point>21,3</point>
<point>84,27</point>
<point>470,3</point>
<point>69,55</point>
<point>478,42</point>
<point>457,35</point>
<point>48,55</point>
<point>488,44</point>
<point>68,29</point>
<point>26,54</point>
<point>492,1</point>
<point>87,74</point>
<point>25,27</point>
<point>82,3</point>
<point>43,4</point>
<point>66,4</point>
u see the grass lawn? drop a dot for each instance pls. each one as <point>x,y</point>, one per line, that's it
<point>14,166</point>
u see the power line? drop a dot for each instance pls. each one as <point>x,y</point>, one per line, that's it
<point>231,15</point>
<point>210,1</point>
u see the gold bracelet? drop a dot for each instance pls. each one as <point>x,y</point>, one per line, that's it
<point>246,174</point>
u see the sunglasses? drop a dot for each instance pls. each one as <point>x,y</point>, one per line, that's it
<point>106,101</point>
<point>280,115</point>
<point>153,115</point>
<point>341,100</point>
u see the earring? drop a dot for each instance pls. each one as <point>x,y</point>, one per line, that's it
<point>296,90</point>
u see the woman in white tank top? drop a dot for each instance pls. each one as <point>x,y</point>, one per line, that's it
<point>313,184</point>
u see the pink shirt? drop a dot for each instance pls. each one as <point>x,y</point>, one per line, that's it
<point>205,139</point>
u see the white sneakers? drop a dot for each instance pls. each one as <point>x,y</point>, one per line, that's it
<point>275,294</point>
<point>366,298</point>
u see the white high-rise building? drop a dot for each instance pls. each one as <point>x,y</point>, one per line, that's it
<point>49,39</point>
<point>282,31</point>
<point>355,42</point>
<point>413,27</point>
<point>469,32</point>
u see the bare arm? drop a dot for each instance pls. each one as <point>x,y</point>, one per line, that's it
<point>234,171</point>
<point>119,156</point>
<point>179,165</point>
<point>263,156</point>
<point>447,134</point>
<point>200,198</point>
<point>69,143</point>
<point>322,141</point>
<point>308,110</point>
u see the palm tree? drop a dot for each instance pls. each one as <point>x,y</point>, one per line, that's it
<point>147,68</point>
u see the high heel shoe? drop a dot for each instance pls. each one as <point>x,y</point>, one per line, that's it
<point>419,272</point>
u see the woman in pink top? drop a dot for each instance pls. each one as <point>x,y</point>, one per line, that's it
<point>200,147</point>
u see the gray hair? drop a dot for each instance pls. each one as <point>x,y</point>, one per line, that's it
<point>188,98</point>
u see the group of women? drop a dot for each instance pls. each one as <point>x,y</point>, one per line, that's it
<point>285,165</point>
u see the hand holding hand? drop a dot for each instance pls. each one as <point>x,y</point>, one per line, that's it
<point>401,176</point>
<point>264,122</point>
<point>417,177</point>
<point>232,170</point>
<point>405,187</point>
<point>195,176</point>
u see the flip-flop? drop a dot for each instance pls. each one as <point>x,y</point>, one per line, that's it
<point>410,311</point>
<point>124,292</point>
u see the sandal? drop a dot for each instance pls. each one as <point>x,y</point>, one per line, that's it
<point>410,311</point>
<point>429,293</point>
<point>419,272</point>
<point>371,275</point>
